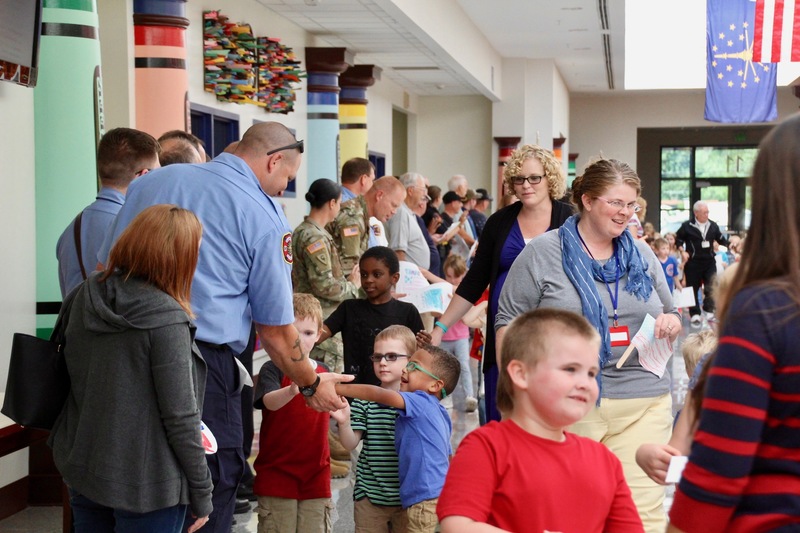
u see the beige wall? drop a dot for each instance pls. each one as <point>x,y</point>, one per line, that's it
<point>454,136</point>
<point>384,98</point>
<point>608,124</point>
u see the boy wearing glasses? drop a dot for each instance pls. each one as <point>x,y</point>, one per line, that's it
<point>377,488</point>
<point>293,472</point>
<point>422,429</point>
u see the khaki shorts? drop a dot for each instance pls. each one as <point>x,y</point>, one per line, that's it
<point>282,515</point>
<point>422,517</point>
<point>371,518</point>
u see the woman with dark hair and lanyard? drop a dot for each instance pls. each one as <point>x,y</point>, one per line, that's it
<point>537,179</point>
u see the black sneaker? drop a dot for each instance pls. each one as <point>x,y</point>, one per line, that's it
<point>245,492</point>
<point>242,506</point>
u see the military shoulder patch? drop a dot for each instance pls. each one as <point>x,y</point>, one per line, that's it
<point>315,247</point>
<point>350,231</point>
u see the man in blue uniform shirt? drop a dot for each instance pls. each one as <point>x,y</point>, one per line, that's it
<point>123,155</point>
<point>243,275</point>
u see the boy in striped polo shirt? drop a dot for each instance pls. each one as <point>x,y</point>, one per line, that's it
<point>377,489</point>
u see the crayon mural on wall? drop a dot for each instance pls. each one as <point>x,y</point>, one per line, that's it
<point>245,69</point>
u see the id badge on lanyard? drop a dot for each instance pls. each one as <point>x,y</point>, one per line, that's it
<point>620,336</point>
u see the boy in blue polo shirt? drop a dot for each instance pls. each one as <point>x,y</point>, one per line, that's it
<point>422,430</point>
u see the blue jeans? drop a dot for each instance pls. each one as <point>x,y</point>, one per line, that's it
<point>91,517</point>
<point>460,348</point>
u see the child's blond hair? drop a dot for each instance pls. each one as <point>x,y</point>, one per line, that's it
<point>527,339</point>
<point>695,346</point>
<point>659,242</point>
<point>456,263</point>
<point>399,333</point>
<point>307,306</point>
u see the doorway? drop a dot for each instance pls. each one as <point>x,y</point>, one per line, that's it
<point>679,166</point>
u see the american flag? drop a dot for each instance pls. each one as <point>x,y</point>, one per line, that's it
<point>777,31</point>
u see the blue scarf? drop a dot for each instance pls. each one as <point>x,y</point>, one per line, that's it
<point>582,271</point>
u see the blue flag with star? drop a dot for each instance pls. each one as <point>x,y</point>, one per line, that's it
<point>737,89</point>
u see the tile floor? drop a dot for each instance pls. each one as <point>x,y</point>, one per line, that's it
<point>48,519</point>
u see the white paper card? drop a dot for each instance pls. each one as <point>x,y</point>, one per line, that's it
<point>676,466</point>
<point>683,297</point>
<point>653,353</point>
<point>411,278</point>
<point>433,299</point>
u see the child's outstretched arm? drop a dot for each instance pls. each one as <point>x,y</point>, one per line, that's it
<point>347,435</point>
<point>654,459</point>
<point>462,524</point>
<point>324,335</point>
<point>476,316</point>
<point>372,393</point>
<point>342,415</point>
<point>278,398</point>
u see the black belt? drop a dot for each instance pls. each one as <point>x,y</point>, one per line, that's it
<point>212,345</point>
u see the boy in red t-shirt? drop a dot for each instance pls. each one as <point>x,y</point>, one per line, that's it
<point>293,471</point>
<point>527,473</point>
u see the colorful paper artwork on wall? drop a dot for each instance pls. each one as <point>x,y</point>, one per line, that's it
<point>245,69</point>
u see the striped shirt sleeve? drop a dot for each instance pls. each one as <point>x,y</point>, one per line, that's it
<point>745,448</point>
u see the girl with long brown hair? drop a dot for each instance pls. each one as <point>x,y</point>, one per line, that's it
<point>743,468</point>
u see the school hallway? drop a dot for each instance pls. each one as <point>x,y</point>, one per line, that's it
<point>48,519</point>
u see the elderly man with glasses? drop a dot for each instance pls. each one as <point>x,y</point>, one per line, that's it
<point>405,235</point>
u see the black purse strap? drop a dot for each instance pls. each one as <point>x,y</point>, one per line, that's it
<point>60,329</point>
<point>76,227</point>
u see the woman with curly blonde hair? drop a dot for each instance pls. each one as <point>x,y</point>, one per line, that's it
<point>537,179</point>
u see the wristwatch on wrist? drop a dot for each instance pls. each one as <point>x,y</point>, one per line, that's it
<point>309,390</point>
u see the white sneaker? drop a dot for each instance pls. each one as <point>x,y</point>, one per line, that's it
<point>471,405</point>
<point>696,320</point>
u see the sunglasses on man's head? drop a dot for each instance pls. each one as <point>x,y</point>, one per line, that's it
<point>390,357</point>
<point>299,145</point>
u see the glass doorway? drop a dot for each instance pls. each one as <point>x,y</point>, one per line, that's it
<point>715,174</point>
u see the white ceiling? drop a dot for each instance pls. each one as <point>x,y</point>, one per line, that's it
<point>570,31</point>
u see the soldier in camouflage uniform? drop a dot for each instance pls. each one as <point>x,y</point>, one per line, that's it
<point>350,232</point>
<point>350,229</point>
<point>316,268</point>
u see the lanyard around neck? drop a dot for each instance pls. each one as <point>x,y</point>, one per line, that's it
<point>615,296</point>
